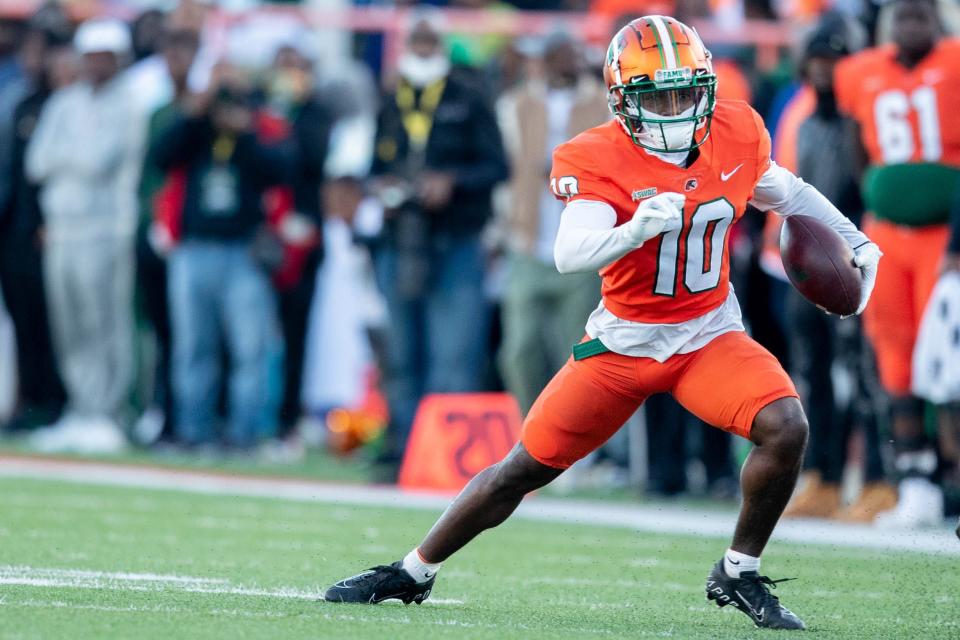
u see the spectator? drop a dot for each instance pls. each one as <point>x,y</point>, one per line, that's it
<point>293,96</point>
<point>220,168</point>
<point>178,50</point>
<point>10,70</point>
<point>822,345</point>
<point>148,76</point>
<point>438,156</point>
<point>85,156</point>
<point>348,318</point>
<point>544,312</point>
<point>40,391</point>
<point>147,34</point>
<point>14,85</point>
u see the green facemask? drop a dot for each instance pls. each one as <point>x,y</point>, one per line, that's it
<point>666,116</point>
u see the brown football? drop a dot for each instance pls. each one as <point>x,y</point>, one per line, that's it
<point>819,263</point>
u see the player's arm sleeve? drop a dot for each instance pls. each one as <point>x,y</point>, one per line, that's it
<point>783,192</point>
<point>588,238</point>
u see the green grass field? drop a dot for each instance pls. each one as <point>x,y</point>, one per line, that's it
<point>82,561</point>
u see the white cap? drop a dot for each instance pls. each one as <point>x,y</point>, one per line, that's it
<point>102,35</point>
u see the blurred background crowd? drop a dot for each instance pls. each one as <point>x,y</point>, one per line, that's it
<point>247,229</point>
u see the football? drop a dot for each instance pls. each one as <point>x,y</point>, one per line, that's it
<point>819,263</point>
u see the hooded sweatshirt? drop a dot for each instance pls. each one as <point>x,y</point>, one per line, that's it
<point>85,156</point>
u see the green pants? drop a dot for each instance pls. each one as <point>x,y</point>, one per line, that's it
<point>544,314</point>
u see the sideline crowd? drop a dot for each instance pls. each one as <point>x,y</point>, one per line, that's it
<point>207,255</point>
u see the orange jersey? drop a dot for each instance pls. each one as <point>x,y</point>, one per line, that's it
<point>681,274</point>
<point>904,114</point>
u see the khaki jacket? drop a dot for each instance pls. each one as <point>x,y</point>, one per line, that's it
<point>523,119</point>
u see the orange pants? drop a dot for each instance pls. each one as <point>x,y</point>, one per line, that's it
<point>908,272</point>
<point>726,383</point>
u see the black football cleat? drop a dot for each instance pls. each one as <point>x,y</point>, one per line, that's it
<point>378,584</point>
<point>749,593</point>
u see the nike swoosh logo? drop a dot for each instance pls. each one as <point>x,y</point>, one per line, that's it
<point>756,614</point>
<point>733,561</point>
<point>726,176</point>
<point>427,575</point>
<point>374,599</point>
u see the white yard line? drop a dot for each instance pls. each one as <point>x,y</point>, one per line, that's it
<point>60,604</point>
<point>654,518</point>
<point>13,571</point>
<point>152,582</point>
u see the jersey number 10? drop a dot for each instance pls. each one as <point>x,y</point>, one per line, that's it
<point>706,242</point>
<point>894,130</point>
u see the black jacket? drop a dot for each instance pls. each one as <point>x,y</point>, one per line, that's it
<point>310,129</point>
<point>464,139</point>
<point>255,166</point>
<point>21,217</point>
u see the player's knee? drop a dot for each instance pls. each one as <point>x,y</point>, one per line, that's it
<point>795,431</point>
<point>518,474</point>
<point>781,425</point>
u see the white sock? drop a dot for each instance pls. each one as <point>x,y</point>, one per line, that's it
<point>416,567</point>
<point>735,562</point>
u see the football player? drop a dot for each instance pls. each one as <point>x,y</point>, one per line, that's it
<point>650,197</point>
<point>902,96</point>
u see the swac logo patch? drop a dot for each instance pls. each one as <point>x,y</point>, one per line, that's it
<point>640,194</point>
<point>690,185</point>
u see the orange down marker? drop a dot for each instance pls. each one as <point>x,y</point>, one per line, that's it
<point>457,435</point>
